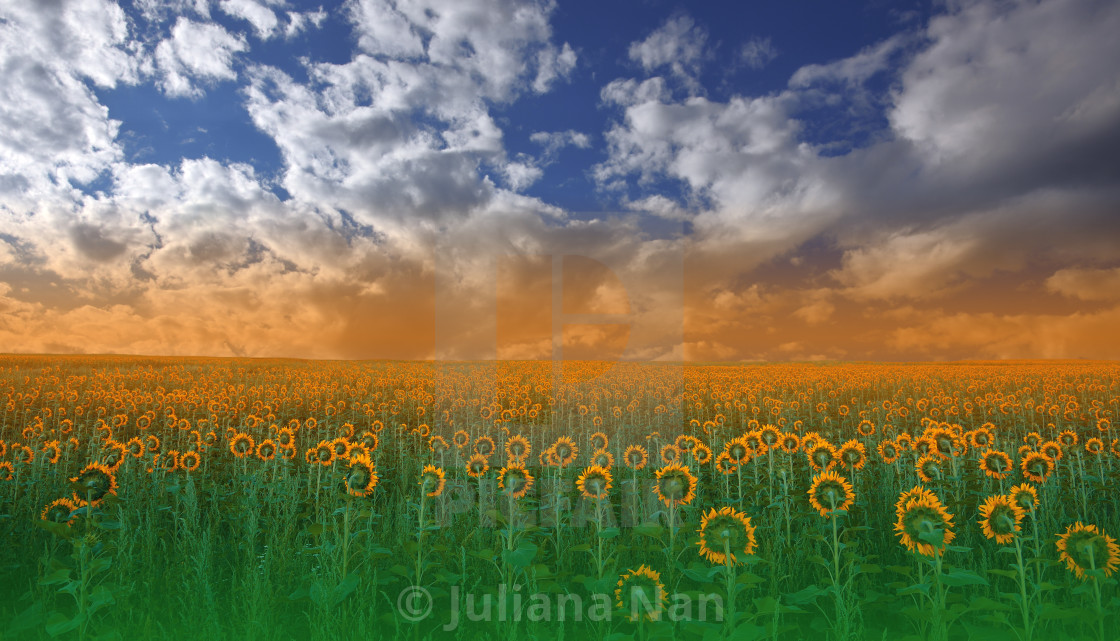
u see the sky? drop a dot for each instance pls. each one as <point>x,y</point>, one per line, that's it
<point>478,179</point>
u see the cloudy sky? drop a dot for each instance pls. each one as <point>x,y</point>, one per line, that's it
<point>530,179</point>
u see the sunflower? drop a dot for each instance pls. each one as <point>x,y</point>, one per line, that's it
<point>852,455</point>
<point>53,453</point>
<point>461,438</point>
<point>477,465</point>
<point>594,483</point>
<point>266,451</point>
<point>1037,467</point>
<point>241,445</point>
<point>1025,496</point>
<point>675,485</point>
<point>599,440</point>
<point>370,441</point>
<point>981,437</point>
<point>888,451</point>
<point>7,472</point>
<point>904,441</point>
<point>1083,547</point>
<point>566,450</point>
<point>484,445</point>
<point>167,461</point>
<point>362,478</point>
<point>702,453</point>
<point>432,480</point>
<point>635,457</point>
<point>59,511</point>
<point>725,533</point>
<point>603,458</point>
<point>996,464</point>
<point>438,445</point>
<point>189,461</point>
<point>518,448</point>
<point>866,428</point>
<point>739,450</point>
<point>1034,439</point>
<point>755,443</point>
<point>1000,517</point>
<point>515,479</point>
<point>94,483</point>
<point>809,440</point>
<point>725,465</point>
<point>929,468</point>
<point>341,448</point>
<point>790,442</point>
<point>323,453</point>
<point>23,454</point>
<point>822,456</point>
<point>1068,438</point>
<point>921,519</point>
<point>1051,449</point>
<point>830,492</point>
<point>286,437</point>
<point>1094,446</point>
<point>641,589</point>
<point>670,453</point>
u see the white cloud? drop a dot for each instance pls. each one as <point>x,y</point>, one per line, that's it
<point>679,44</point>
<point>196,51</point>
<point>757,52</point>
<point>262,18</point>
<point>553,64</point>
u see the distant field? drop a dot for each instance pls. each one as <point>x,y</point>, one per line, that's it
<point>162,498</point>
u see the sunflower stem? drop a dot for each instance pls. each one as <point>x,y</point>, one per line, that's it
<point>1024,604</point>
<point>730,567</point>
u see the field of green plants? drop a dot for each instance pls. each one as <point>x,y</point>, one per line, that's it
<point>161,498</point>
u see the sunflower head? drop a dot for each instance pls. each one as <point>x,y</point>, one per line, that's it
<point>1084,548</point>
<point>1068,438</point>
<point>1094,446</point>
<point>702,453</point>
<point>822,456</point>
<point>790,442</point>
<point>929,468</point>
<point>94,483</point>
<point>636,457</point>
<point>725,465</point>
<point>602,458</point>
<point>432,480</point>
<point>923,525</point>
<point>1025,496</point>
<point>266,451</point>
<point>995,464</point>
<point>190,461</point>
<point>518,448</point>
<point>999,518</point>
<point>566,450</point>
<point>516,480</point>
<point>726,536</point>
<point>323,454</point>
<point>484,445</point>
<point>830,492</point>
<point>361,479</point>
<point>241,445</point>
<point>640,594</point>
<point>1037,467</point>
<point>675,485</point>
<point>1053,449</point>
<point>477,465</point>
<point>739,450</point>
<point>7,472</point>
<point>852,455</point>
<point>599,440</point>
<point>670,453</point>
<point>888,451</point>
<point>59,511</point>
<point>594,483</point>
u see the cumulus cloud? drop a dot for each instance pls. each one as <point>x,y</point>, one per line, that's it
<point>196,52</point>
<point>678,45</point>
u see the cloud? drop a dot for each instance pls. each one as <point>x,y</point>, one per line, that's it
<point>1086,284</point>
<point>196,52</point>
<point>262,18</point>
<point>679,45</point>
<point>757,52</point>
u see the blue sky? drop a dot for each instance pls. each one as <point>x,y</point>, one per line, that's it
<point>771,180</point>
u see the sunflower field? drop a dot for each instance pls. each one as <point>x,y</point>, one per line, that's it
<point>193,498</point>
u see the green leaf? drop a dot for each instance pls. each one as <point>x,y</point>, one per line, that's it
<point>523,556</point>
<point>609,533</point>
<point>958,578</point>
<point>58,624</point>
<point>99,598</point>
<point>344,589</point>
<point>61,575</point>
